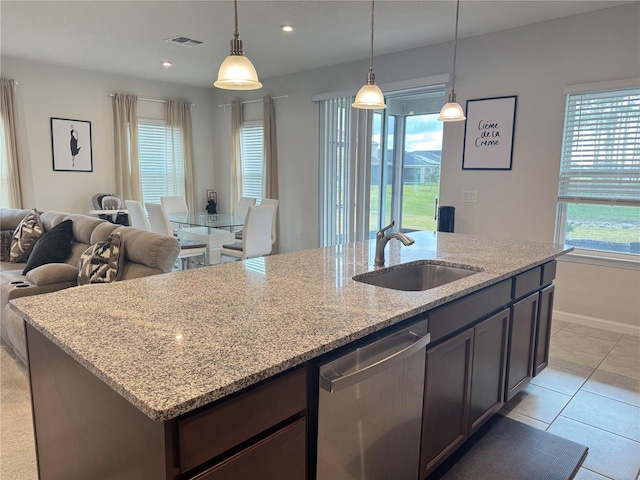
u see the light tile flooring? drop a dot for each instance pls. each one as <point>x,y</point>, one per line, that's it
<point>589,393</point>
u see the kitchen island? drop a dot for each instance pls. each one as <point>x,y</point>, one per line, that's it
<point>177,375</point>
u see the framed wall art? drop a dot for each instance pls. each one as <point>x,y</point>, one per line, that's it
<point>488,133</point>
<point>71,145</point>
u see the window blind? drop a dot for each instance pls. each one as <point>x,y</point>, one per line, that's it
<point>251,136</point>
<point>161,162</point>
<point>600,160</point>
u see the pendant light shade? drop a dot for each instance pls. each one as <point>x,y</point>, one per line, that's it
<point>370,96</point>
<point>237,72</point>
<point>452,111</point>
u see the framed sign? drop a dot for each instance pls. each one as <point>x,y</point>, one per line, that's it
<point>488,133</point>
<point>71,145</point>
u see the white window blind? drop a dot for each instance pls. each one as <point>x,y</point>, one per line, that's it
<point>600,161</point>
<point>251,136</point>
<point>161,160</point>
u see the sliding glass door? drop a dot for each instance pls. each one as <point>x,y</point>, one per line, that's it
<point>405,161</point>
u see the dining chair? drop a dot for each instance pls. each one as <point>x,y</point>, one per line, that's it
<point>256,239</point>
<point>274,203</point>
<point>241,211</point>
<point>159,223</point>
<point>137,217</point>
<point>174,204</point>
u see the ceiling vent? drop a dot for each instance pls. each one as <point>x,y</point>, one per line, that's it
<point>184,41</point>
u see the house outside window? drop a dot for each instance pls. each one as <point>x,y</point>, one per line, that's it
<point>252,152</point>
<point>161,161</point>
<point>599,188</point>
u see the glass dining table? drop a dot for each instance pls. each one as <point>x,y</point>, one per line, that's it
<point>214,230</point>
<point>204,219</point>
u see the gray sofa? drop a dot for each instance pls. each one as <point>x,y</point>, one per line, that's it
<point>145,253</point>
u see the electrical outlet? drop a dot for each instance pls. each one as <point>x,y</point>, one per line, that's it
<point>299,236</point>
<point>470,196</point>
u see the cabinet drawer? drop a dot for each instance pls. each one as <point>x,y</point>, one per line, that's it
<point>213,431</point>
<point>548,272</point>
<point>526,282</point>
<point>460,313</point>
<point>280,456</point>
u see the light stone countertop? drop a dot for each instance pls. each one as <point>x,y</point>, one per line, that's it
<point>174,342</point>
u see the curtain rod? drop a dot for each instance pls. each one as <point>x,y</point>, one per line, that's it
<point>253,101</point>
<point>149,99</point>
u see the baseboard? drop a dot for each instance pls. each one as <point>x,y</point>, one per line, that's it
<point>597,323</point>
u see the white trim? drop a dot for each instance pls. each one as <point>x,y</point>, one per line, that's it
<point>610,259</point>
<point>602,86</point>
<point>597,323</point>
<point>433,81</point>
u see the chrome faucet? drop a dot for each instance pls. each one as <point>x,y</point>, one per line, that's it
<point>382,240</point>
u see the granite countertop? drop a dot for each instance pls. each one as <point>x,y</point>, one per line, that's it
<point>171,343</point>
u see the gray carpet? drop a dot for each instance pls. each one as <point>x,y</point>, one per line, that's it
<point>504,449</point>
<point>17,448</point>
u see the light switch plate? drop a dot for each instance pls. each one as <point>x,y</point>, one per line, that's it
<point>470,196</point>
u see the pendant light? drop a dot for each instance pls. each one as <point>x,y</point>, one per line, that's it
<point>237,72</point>
<point>452,111</point>
<point>370,96</point>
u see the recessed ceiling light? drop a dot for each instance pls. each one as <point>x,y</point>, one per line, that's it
<point>286,28</point>
<point>167,64</point>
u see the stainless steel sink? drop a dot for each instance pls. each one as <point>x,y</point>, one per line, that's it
<point>416,276</point>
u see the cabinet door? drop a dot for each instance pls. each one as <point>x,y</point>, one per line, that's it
<point>489,360</point>
<point>521,341</point>
<point>280,456</point>
<point>543,332</point>
<point>446,400</point>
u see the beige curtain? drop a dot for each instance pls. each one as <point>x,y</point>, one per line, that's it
<point>236,153</point>
<point>9,113</point>
<point>125,131</point>
<point>270,153</point>
<point>178,115</point>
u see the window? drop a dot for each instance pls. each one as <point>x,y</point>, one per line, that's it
<point>161,161</point>
<point>251,139</point>
<point>599,188</point>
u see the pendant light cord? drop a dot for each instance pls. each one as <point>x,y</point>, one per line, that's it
<point>236,34</point>
<point>455,49</point>
<point>371,46</point>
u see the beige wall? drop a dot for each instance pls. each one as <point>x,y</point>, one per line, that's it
<point>46,91</point>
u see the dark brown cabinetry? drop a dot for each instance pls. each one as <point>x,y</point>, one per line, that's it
<point>464,384</point>
<point>489,362</point>
<point>446,399</point>
<point>524,314</point>
<point>543,330</point>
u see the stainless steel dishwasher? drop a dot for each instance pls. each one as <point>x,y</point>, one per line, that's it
<point>370,408</point>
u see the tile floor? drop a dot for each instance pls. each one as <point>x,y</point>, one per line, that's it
<point>589,393</point>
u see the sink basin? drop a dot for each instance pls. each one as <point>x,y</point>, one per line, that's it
<point>416,276</point>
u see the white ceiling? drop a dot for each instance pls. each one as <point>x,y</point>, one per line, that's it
<point>126,37</point>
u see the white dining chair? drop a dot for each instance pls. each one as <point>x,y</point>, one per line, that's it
<point>137,217</point>
<point>256,239</point>
<point>159,223</point>
<point>274,203</point>
<point>241,211</point>
<point>174,204</point>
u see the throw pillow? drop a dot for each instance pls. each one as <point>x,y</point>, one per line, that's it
<point>53,247</point>
<point>25,236</point>
<point>5,245</point>
<point>102,262</point>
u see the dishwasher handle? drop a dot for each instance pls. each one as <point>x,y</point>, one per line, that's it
<point>338,381</point>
